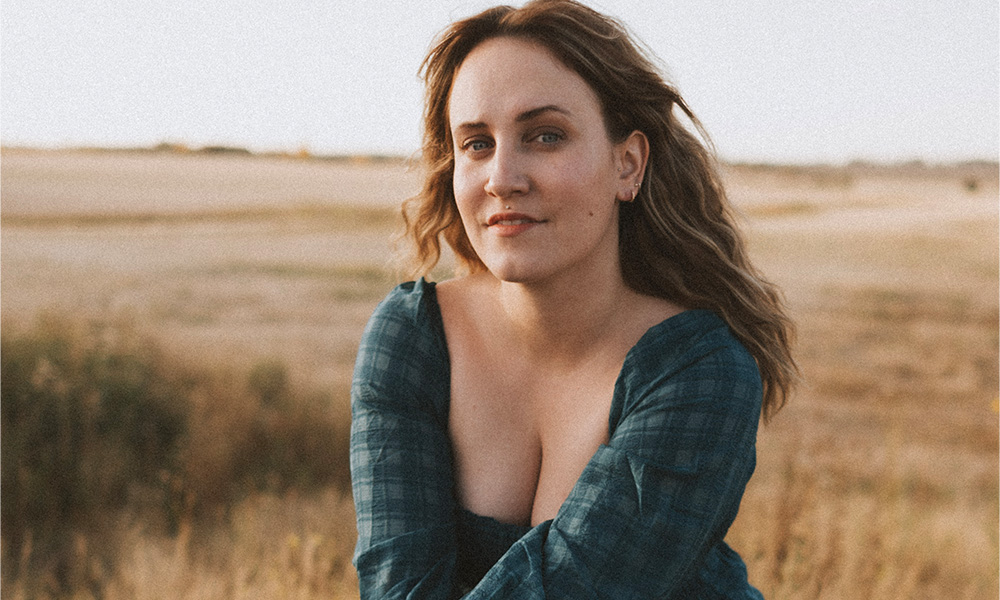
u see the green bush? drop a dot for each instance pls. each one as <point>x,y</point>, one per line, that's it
<point>102,424</point>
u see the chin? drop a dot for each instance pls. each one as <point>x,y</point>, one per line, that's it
<point>517,273</point>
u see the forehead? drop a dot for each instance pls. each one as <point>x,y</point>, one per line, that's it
<point>504,77</point>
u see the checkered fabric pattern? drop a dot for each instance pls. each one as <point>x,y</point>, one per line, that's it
<point>648,515</point>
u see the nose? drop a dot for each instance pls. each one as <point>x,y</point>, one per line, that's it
<point>507,176</point>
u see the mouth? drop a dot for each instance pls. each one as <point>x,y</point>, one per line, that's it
<point>507,219</point>
<point>510,223</point>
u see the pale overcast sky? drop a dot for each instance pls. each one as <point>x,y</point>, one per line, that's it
<point>783,80</point>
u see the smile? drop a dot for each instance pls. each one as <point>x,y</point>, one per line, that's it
<point>511,218</point>
<point>511,224</point>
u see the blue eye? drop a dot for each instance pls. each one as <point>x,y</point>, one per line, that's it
<point>549,137</point>
<point>476,145</point>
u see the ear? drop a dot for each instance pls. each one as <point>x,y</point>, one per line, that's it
<point>632,155</point>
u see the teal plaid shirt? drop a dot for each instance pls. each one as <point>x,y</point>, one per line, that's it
<point>647,517</point>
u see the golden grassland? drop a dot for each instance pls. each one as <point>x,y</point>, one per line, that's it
<point>237,287</point>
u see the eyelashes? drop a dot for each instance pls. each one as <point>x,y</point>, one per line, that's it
<point>476,145</point>
<point>547,139</point>
<point>550,137</point>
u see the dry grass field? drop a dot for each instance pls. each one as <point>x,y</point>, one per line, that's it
<point>878,480</point>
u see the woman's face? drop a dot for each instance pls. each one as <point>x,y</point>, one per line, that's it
<point>536,177</point>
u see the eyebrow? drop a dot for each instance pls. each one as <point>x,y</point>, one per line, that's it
<point>521,118</point>
<point>531,114</point>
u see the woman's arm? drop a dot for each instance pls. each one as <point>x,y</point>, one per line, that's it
<point>648,514</point>
<point>400,455</point>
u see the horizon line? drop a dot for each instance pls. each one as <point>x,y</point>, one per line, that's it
<point>304,153</point>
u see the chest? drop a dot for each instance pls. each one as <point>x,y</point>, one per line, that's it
<point>522,434</point>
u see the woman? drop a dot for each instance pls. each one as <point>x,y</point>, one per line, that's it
<point>575,416</point>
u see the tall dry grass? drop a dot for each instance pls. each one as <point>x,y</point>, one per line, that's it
<point>129,472</point>
<point>881,480</point>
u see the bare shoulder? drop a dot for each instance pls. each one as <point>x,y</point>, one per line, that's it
<point>466,304</point>
<point>649,311</point>
<point>463,297</point>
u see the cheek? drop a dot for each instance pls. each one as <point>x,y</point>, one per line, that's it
<point>463,183</point>
<point>594,173</point>
<point>463,188</point>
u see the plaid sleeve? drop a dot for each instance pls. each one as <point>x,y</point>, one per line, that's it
<point>648,515</point>
<point>400,454</point>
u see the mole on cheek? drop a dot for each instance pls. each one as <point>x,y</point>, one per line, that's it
<point>591,213</point>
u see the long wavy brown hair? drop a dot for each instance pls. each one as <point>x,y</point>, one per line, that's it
<point>677,241</point>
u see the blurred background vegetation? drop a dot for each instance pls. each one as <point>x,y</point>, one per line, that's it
<point>101,426</point>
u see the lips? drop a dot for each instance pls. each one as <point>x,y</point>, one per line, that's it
<point>511,223</point>
<point>509,218</point>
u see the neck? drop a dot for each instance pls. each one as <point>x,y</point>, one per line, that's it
<point>561,320</point>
